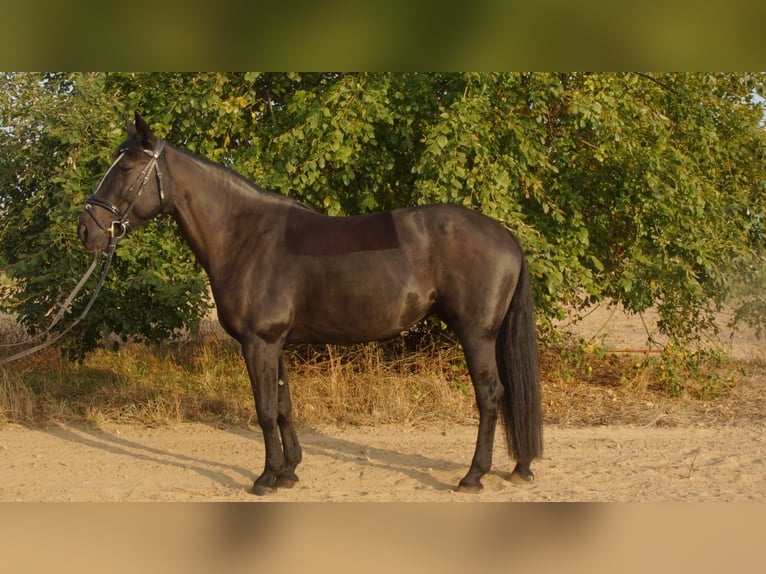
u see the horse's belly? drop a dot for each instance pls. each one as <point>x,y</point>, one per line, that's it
<point>358,300</point>
<point>329,332</point>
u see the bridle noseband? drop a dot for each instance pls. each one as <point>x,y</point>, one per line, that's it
<point>120,226</point>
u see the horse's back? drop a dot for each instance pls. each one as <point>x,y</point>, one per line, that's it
<point>310,233</point>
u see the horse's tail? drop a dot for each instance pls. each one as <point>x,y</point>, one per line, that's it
<point>517,361</point>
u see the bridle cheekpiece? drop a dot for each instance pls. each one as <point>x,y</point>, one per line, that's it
<point>119,227</point>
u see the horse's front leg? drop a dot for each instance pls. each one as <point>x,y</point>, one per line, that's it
<point>262,361</point>
<point>292,448</point>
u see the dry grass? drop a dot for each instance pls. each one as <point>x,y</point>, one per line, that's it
<point>17,402</point>
<point>367,385</point>
<point>205,380</point>
<point>609,389</point>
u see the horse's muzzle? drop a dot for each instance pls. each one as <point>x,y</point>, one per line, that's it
<point>92,236</point>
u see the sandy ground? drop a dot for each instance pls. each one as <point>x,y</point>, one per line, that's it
<point>395,463</point>
<point>196,462</point>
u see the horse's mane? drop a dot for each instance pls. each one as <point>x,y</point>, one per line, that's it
<point>242,183</point>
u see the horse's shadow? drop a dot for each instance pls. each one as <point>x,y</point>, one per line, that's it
<point>313,441</point>
<point>114,444</point>
<point>416,466</point>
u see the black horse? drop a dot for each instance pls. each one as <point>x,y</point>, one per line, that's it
<point>281,273</point>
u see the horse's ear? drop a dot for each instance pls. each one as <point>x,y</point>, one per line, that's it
<point>130,127</point>
<point>143,132</point>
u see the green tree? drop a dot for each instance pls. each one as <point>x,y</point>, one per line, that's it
<point>644,189</point>
<point>59,131</point>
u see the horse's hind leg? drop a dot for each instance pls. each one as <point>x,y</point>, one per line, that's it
<point>287,478</point>
<point>482,366</point>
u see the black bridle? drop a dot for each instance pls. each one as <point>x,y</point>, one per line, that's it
<point>117,230</point>
<point>119,227</point>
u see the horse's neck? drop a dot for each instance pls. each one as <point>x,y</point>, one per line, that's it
<point>211,204</point>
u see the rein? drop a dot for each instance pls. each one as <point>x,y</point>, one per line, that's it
<point>65,307</point>
<point>117,230</point>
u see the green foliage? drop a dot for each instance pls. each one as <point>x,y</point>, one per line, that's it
<point>637,188</point>
<point>59,133</point>
<point>702,373</point>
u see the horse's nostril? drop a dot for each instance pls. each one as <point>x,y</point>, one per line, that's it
<point>83,232</point>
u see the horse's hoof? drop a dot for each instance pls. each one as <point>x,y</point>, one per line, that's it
<point>522,477</point>
<point>470,488</point>
<point>286,481</point>
<point>261,490</point>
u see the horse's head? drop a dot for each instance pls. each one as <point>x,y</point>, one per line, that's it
<point>129,194</point>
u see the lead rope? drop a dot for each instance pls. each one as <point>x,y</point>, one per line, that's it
<point>62,310</point>
<point>65,306</point>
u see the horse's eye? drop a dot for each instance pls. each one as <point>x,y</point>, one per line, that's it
<point>124,168</point>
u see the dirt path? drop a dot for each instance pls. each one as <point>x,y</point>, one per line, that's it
<point>195,462</point>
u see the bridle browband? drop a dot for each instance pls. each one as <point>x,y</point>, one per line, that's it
<point>120,226</point>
